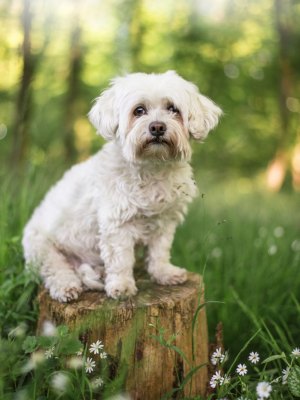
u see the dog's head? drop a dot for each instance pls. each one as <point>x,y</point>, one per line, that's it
<point>153,116</point>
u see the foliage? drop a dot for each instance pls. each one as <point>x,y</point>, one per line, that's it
<point>49,366</point>
<point>18,288</point>
<point>231,49</point>
<point>244,241</point>
<point>279,380</point>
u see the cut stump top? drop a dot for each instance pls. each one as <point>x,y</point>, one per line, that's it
<point>149,294</point>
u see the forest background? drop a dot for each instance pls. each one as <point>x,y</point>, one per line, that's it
<point>57,56</point>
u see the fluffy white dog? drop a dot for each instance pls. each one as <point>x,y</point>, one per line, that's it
<point>135,190</point>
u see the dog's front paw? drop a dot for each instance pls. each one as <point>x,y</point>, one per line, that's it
<point>63,290</point>
<point>168,274</point>
<point>120,287</point>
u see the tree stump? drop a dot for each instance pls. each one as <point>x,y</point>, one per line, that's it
<point>140,335</point>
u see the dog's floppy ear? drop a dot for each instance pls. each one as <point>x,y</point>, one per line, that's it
<point>103,114</point>
<point>203,116</point>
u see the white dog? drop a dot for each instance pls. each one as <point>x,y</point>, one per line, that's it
<point>135,190</point>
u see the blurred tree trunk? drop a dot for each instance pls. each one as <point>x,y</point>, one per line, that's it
<point>73,89</point>
<point>277,168</point>
<point>21,121</point>
<point>137,30</point>
<point>129,36</point>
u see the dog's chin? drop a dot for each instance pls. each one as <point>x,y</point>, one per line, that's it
<point>171,147</point>
<point>158,149</point>
<point>157,142</point>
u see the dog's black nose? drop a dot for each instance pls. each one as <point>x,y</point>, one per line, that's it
<point>157,128</point>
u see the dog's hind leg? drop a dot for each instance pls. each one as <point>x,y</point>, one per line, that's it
<point>91,276</point>
<point>59,276</point>
<point>55,269</point>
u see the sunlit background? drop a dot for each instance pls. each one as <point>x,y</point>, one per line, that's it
<point>56,56</point>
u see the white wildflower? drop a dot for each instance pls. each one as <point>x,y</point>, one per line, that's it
<point>103,355</point>
<point>253,357</point>
<point>216,252</point>
<point>49,329</point>
<point>263,390</point>
<point>36,358</point>
<point>218,356</point>
<point>97,383</point>
<point>241,369</point>
<point>285,375</point>
<point>296,352</point>
<point>59,382</point>
<point>75,362</point>
<point>216,379</point>
<point>278,231</point>
<point>213,383</point>
<point>121,396</point>
<point>217,353</point>
<point>226,380</point>
<point>49,352</point>
<point>96,347</point>
<point>272,250</point>
<point>214,360</point>
<point>79,352</point>
<point>89,365</point>
<point>296,245</point>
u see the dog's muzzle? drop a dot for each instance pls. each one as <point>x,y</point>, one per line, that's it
<point>157,128</point>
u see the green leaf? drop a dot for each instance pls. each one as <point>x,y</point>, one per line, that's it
<point>29,344</point>
<point>273,358</point>
<point>164,343</point>
<point>46,341</point>
<point>180,352</point>
<point>184,382</point>
<point>62,330</point>
<point>294,381</point>
<point>243,349</point>
<point>70,346</point>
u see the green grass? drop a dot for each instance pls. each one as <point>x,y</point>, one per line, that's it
<point>246,243</point>
<point>18,197</point>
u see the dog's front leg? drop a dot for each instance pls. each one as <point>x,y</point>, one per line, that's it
<point>159,266</point>
<point>117,252</point>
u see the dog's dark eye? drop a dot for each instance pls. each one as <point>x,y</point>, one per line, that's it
<point>139,111</point>
<point>173,109</point>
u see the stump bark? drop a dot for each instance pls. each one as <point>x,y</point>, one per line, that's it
<point>140,335</point>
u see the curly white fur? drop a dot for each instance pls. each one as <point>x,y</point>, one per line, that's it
<point>135,190</point>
